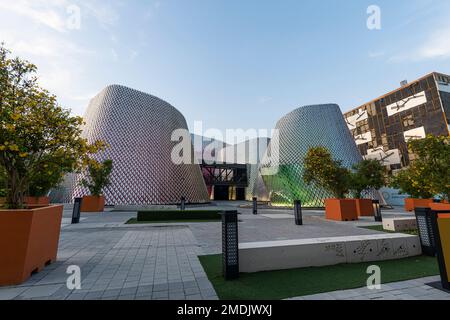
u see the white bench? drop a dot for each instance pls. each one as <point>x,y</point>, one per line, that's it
<point>399,224</point>
<point>291,254</point>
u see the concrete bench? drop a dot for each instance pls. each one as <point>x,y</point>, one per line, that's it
<point>291,254</point>
<point>399,224</point>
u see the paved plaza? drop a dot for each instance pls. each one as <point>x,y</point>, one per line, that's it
<point>417,289</point>
<point>160,261</point>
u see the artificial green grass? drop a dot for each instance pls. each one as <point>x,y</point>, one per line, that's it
<point>135,221</point>
<point>276,285</point>
<point>172,215</point>
<point>380,228</point>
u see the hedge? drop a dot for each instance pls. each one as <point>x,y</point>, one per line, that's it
<point>169,215</point>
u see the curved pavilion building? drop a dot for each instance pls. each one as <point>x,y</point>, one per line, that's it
<point>138,128</point>
<point>303,128</point>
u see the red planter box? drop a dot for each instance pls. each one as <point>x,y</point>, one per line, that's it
<point>37,201</point>
<point>93,204</point>
<point>441,207</point>
<point>341,209</point>
<point>364,208</point>
<point>411,204</point>
<point>28,242</point>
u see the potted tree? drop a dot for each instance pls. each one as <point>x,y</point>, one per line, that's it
<point>367,175</point>
<point>428,175</point>
<point>34,133</point>
<point>329,174</point>
<point>50,175</point>
<point>98,178</point>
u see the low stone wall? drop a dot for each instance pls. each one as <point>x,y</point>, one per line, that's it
<point>399,224</point>
<point>291,254</point>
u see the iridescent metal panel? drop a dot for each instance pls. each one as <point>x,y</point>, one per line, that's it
<point>138,127</point>
<point>306,127</point>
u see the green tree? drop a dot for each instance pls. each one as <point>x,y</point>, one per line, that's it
<point>368,174</point>
<point>412,181</point>
<point>99,177</point>
<point>429,172</point>
<point>325,172</point>
<point>37,136</point>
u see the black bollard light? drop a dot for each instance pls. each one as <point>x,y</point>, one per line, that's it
<point>424,218</point>
<point>76,210</point>
<point>183,204</point>
<point>230,245</point>
<point>298,213</point>
<point>377,211</point>
<point>255,205</point>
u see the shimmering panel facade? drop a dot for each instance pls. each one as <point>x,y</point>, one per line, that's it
<point>306,127</point>
<point>138,127</point>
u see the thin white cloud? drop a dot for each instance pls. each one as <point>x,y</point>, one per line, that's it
<point>376,54</point>
<point>39,31</point>
<point>45,47</point>
<point>438,46</point>
<point>106,14</point>
<point>435,46</point>
<point>43,12</point>
<point>264,100</point>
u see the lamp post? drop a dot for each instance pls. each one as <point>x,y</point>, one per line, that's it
<point>377,211</point>
<point>298,213</point>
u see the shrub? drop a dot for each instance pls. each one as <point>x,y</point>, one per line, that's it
<point>99,177</point>
<point>169,215</point>
<point>368,174</point>
<point>325,172</point>
<point>429,173</point>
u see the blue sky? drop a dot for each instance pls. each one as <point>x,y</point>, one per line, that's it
<point>231,64</point>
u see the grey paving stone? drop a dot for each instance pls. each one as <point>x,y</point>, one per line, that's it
<point>191,291</point>
<point>11,293</point>
<point>94,295</point>
<point>128,291</point>
<point>160,295</point>
<point>161,287</point>
<point>76,296</point>
<point>40,291</point>
<point>111,293</point>
<point>149,297</point>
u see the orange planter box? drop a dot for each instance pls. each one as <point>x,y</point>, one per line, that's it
<point>28,242</point>
<point>364,208</point>
<point>93,204</point>
<point>341,209</point>
<point>411,204</point>
<point>37,201</point>
<point>441,207</point>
